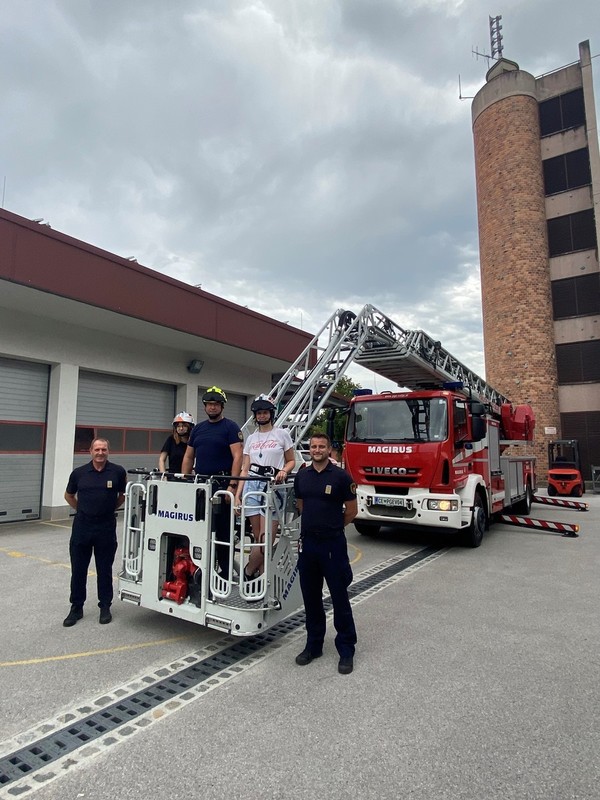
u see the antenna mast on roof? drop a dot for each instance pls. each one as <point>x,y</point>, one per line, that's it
<point>496,37</point>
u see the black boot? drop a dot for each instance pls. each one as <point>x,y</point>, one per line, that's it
<point>74,615</point>
<point>105,615</point>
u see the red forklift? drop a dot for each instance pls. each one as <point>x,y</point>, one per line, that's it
<point>564,469</point>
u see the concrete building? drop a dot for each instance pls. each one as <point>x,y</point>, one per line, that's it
<point>538,195</point>
<point>94,344</point>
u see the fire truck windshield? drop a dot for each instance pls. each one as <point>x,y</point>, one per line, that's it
<point>408,420</point>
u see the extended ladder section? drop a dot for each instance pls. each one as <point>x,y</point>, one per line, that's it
<point>412,359</point>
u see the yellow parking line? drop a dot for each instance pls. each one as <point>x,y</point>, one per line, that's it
<point>359,553</point>
<point>18,554</point>
<point>105,651</point>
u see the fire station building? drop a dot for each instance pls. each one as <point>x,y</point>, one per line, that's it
<point>92,344</point>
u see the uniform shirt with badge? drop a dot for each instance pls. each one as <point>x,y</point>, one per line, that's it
<point>323,495</point>
<point>97,491</point>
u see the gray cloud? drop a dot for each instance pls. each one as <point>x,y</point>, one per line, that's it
<point>294,157</point>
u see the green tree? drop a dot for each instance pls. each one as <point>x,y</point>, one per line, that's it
<point>344,387</point>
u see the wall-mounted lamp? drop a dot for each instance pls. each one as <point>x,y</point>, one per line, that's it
<point>195,366</point>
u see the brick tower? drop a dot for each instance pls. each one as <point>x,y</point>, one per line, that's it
<point>515,281</point>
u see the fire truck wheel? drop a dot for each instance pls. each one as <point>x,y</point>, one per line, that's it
<point>366,528</point>
<point>474,533</point>
<point>524,506</point>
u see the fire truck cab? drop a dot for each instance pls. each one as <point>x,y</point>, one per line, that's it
<point>435,458</point>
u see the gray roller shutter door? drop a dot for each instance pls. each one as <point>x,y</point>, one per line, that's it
<point>23,398</point>
<point>112,400</point>
<point>235,408</point>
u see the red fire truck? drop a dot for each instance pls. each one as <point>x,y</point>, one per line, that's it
<point>436,458</point>
<point>444,454</point>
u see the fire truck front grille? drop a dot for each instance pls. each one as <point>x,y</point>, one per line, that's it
<point>393,512</point>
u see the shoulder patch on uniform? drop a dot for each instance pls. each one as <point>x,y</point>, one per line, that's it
<point>240,436</point>
<point>353,488</point>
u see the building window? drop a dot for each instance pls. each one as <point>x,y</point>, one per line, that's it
<point>576,297</point>
<point>567,171</point>
<point>562,112</point>
<point>571,232</point>
<point>578,362</point>
<point>121,440</point>
<point>21,437</point>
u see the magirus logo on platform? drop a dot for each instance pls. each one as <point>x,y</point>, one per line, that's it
<point>390,448</point>
<point>178,515</point>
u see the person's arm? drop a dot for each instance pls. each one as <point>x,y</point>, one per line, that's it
<point>71,500</point>
<point>299,505</point>
<point>288,467</point>
<point>237,451</point>
<point>162,461</point>
<point>120,500</point>
<point>350,511</point>
<point>243,474</point>
<point>188,460</point>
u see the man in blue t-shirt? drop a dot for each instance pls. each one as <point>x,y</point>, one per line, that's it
<point>215,448</point>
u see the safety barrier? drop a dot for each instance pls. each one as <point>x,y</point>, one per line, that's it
<point>564,528</point>
<point>555,501</point>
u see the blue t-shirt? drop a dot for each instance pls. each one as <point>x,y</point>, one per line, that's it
<point>211,442</point>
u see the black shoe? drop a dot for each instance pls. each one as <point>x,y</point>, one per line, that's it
<point>346,665</point>
<point>74,615</point>
<point>105,616</point>
<point>305,657</point>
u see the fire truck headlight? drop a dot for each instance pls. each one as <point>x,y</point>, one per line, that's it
<point>442,505</point>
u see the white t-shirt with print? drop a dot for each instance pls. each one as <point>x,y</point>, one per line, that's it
<point>267,449</point>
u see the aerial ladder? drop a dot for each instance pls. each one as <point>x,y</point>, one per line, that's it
<point>410,358</point>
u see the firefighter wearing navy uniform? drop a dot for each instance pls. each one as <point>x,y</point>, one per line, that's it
<point>215,449</point>
<point>326,499</point>
<point>95,491</point>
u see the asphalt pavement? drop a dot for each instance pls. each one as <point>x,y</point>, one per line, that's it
<point>476,676</point>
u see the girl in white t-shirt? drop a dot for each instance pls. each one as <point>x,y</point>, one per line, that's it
<point>268,453</point>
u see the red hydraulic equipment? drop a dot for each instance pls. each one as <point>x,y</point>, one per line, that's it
<point>183,569</point>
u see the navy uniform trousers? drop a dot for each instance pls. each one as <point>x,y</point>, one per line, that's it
<point>100,538</point>
<point>326,558</point>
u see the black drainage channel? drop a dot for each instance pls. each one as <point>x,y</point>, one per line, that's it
<point>43,752</point>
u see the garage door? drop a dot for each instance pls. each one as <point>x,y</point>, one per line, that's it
<point>23,404</point>
<point>134,415</point>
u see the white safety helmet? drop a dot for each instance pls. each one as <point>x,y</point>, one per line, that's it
<point>183,416</point>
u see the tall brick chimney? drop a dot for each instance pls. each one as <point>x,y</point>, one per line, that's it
<point>515,278</point>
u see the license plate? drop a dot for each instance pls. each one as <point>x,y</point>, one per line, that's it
<point>388,501</point>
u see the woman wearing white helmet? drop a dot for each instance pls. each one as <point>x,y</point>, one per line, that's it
<point>174,447</point>
<point>268,453</point>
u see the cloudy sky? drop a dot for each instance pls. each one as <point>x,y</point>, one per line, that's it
<point>294,156</point>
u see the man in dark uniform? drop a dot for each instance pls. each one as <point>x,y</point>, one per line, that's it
<point>95,491</point>
<point>215,447</point>
<point>326,499</point>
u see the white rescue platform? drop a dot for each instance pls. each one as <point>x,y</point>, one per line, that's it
<point>169,553</point>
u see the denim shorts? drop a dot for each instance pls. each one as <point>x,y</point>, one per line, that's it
<point>256,504</point>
